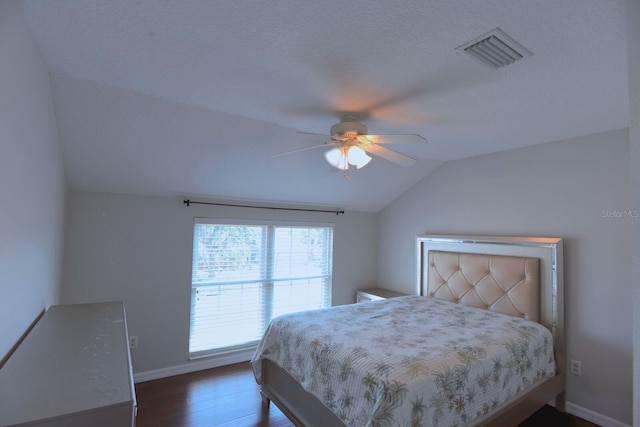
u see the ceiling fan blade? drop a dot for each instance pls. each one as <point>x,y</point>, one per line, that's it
<point>310,133</point>
<point>396,139</point>
<point>392,156</point>
<point>286,153</point>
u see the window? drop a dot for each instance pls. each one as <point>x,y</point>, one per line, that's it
<point>245,274</point>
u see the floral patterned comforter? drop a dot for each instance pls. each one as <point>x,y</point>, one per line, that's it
<point>408,361</point>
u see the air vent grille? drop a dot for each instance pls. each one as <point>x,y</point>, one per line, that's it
<point>494,49</point>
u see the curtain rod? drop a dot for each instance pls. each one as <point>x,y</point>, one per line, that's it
<point>190,202</point>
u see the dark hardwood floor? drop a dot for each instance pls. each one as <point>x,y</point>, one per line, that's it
<point>228,396</point>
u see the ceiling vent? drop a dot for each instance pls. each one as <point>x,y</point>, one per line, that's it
<point>494,49</point>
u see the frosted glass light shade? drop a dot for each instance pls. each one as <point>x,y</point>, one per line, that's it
<point>358,157</point>
<point>337,158</point>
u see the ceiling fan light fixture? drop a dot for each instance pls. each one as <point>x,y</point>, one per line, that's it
<point>358,157</point>
<point>337,158</point>
<point>351,144</point>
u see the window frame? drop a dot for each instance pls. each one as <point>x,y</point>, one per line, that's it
<point>267,281</point>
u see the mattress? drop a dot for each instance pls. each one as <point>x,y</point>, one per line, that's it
<point>408,361</point>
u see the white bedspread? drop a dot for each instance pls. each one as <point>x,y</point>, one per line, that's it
<point>409,361</point>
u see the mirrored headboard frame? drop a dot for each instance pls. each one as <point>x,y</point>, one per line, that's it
<point>548,249</point>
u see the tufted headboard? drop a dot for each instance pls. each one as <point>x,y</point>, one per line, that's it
<point>505,284</point>
<point>478,253</point>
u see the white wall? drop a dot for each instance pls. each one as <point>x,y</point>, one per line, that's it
<point>32,188</point>
<point>557,189</point>
<point>138,249</point>
<point>633,28</point>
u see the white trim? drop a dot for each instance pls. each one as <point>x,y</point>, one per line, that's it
<point>594,417</point>
<point>228,351</point>
<point>199,365</point>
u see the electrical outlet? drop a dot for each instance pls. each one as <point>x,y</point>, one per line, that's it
<point>576,367</point>
<point>133,341</point>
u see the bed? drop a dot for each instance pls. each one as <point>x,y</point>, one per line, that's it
<point>495,335</point>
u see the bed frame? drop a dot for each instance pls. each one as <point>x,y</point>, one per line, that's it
<point>303,409</point>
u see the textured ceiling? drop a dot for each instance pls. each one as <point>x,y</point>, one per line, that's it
<point>192,97</point>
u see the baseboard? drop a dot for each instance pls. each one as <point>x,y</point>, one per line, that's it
<point>193,366</point>
<point>592,416</point>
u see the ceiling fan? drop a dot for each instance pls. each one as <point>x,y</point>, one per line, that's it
<point>351,142</point>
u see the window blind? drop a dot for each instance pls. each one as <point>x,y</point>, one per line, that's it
<point>244,274</point>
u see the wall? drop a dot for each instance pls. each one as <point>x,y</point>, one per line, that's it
<point>138,249</point>
<point>32,188</point>
<point>633,28</point>
<point>562,189</point>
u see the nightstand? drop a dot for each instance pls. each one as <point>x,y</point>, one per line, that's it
<point>375,294</point>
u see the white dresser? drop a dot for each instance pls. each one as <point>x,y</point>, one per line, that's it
<point>73,369</point>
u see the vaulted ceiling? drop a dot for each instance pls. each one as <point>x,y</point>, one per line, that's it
<point>193,97</point>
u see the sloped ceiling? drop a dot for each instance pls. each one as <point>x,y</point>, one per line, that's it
<point>192,97</point>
